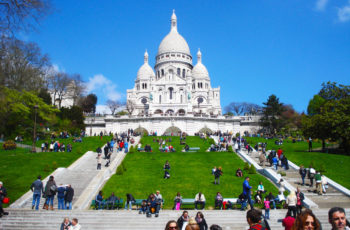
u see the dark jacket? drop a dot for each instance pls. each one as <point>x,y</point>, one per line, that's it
<point>246,188</point>
<point>48,191</point>
<point>180,222</point>
<point>63,226</point>
<point>60,192</point>
<point>202,225</point>
<point>37,187</point>
<point>69,194</point>
<point>217,173</point>
<point>3,193</point>
<point>129,198</point>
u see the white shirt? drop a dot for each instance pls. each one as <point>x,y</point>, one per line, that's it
<point>197,197</point>
<point>76,227</point>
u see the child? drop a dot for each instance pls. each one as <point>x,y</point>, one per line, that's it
<point>267,208</point>
<point>143,208</point>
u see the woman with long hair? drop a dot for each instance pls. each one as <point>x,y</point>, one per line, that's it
<point>306,220</point>
<point>292,203</point>
<point>201,221</point>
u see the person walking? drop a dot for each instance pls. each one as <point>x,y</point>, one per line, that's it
<point>291,201</point>
<point>302,172</point>
<point>50,192</point>
<point>3,194</point>
<point>247,193</point>
<point>68,198</point>
<point>37,187</point>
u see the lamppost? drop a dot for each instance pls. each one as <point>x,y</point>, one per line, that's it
<point>34,133</point>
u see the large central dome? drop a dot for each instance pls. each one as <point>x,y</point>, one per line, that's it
<point>173,42</point>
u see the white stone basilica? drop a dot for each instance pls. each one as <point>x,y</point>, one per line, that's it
<point>174,97</point>
<point>175,87</point>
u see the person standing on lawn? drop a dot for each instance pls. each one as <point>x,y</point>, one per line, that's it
<point>217,174</point>
<point>37,187</point>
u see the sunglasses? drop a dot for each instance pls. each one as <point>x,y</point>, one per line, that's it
<point>172,227</point>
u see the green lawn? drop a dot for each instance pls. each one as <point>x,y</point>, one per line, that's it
<point>336,166</point>
<point>190,173</point>
<point>19,168</point>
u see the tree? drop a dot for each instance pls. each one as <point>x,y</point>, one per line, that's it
<point>243,108</point>
<point>22,65</point>
<point>88,103</point>
<point>17,112</point>
<point>113,105</point>
<point>75,116</point>
<point>130,106</point>
<point>18,15</point>
<point>45,95</point>
<point>272,112</point>
<point>329,115</point>
<point>58,84</point>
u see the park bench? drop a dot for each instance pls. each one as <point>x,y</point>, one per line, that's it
<point>192,150</point>
<point>187,201</point>
<point>117,205</point>
<point>140,149</point>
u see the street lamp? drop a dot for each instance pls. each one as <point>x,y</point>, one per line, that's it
<point>34,133</point>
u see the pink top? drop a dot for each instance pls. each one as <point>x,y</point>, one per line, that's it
<point>267,204</point>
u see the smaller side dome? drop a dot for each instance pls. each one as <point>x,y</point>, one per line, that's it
<point>199,70</point>
<point>145,72</point>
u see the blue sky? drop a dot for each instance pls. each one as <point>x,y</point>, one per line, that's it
<point>251,48</point>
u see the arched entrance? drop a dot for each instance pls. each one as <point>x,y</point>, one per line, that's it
<point>181,112</point>
<point>172,131</point>
<point>158,111</point>
<point>141,130</point>
<point>169,112</point>
<point>205,130</point>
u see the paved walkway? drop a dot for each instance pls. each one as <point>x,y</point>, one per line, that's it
<point>84,177</point>
<point>332,198</point>
<point>121,219</point>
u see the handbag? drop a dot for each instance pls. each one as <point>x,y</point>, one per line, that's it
<point>6,200</point>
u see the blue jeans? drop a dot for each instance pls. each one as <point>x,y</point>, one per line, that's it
<point>275,165</point>
<point>61,203</point>
<point>267,213</point>
<point>36,199</point>
<point>250,201</point>
<point>99,204</point>
<point>69,205</point>
<point>303,179</point>
<point>50,200</point>
<point>126,205</point>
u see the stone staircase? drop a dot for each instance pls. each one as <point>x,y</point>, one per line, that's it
<point>332,198</point>
<point>19,219</point>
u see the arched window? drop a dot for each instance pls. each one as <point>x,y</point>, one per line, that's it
<point>145,85</point>
<point>199,85</point>
<point>179,71</point>
<point>181,98</point>
<point>206,85</point>
<point>158,74</point>
<point>162,72</point>
<point>183,73</point>
<point>160,99</point>
<point>171,93</point>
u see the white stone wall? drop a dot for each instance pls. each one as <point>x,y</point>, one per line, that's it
<point>160,124</point>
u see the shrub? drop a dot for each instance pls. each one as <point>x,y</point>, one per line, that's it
<point>9,145</point>
<point>237,135</point>
<point>246,166</point>
<point>322,168</point>
<point>252,170</point>
<point>120,170</point>
<point>230,150</point>
<point>131,149</point>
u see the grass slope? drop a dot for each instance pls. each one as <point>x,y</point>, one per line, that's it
<point>19,167</point>
<point>336,166</point>
<point>190,173</point>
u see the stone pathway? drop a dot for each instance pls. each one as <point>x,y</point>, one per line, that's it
<point>121,219</point>
<point>332,198</point>
<point>84,177</point>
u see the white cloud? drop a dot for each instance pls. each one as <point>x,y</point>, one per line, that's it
<point>321,5</point>
<point>344,13</point>
<point>100,85</point>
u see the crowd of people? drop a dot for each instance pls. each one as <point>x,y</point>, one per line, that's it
<point>65,194</point>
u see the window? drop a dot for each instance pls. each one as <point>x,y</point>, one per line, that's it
<point>178,71</point>
<point>206,85</point>
<point>198,85</point>
<point>145,85</point>
<point>171,93</point>
<point>160,99</point>
<point>162,72</point>
<point>138,87</point>
<point>173,55</point>
<point>193,86</point>
<point>181,98</point>
<point>158,74</point>
<point>183,73</point>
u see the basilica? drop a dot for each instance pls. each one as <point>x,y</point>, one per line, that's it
<point>174,86</point>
